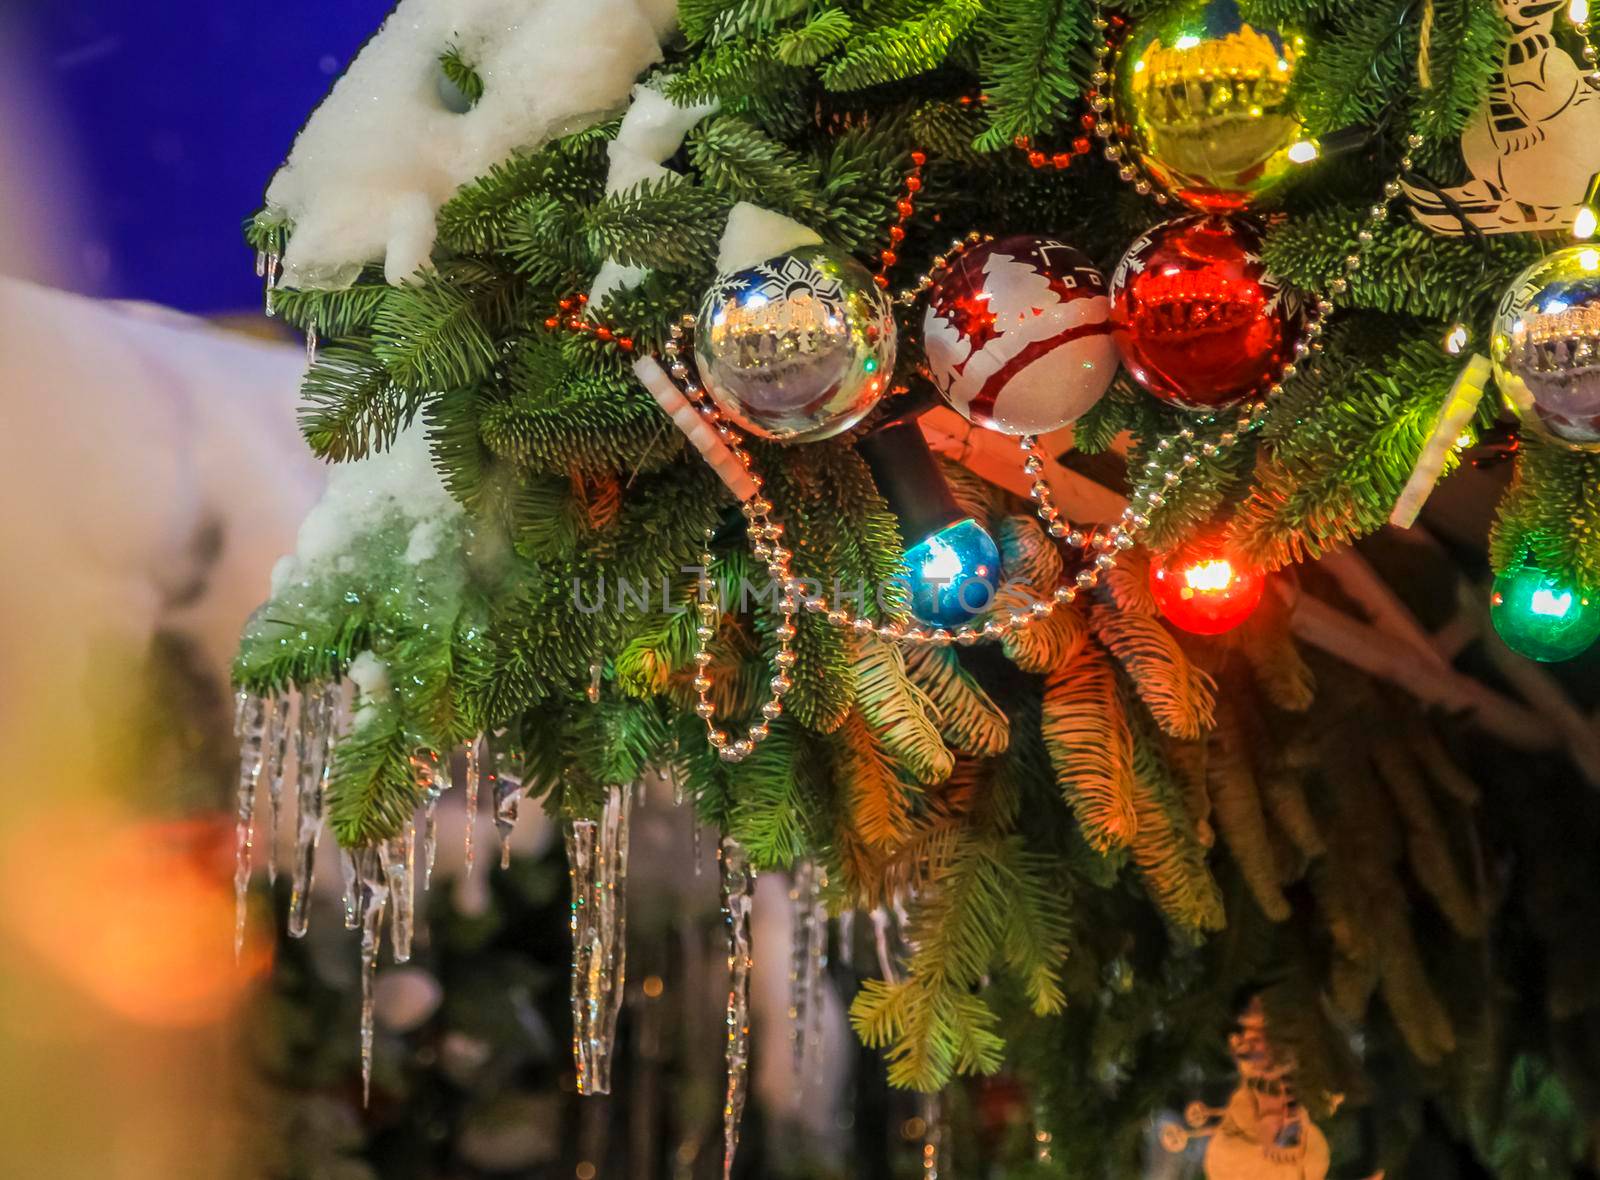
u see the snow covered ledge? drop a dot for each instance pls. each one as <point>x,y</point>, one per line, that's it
<point>383,152</point>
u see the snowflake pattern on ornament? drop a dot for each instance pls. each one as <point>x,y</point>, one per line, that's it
<point>779,278</point>
<point>1017,335</point>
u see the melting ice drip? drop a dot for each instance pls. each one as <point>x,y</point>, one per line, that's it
<point>847,940</point>
<point>313,747</point>
<point>372,892</point>
<point>887,923</point>
<point>474,774</point>
<point>808,961</point>
<point>264,730</point>
<point>262,724</point>
<point>383,882</point>
<point>432,775</point>
<point>597,861</point>
<point>505,773</point>
<point>269,267</point>
<point>378,879</point>
<point>738,898</point>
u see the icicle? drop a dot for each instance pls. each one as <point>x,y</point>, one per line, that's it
<point>311,342</point>
<point>817,958</point>
<point>253,715</point>
<point>430,842</point>
<point>474,772</point>
<point>807,961</point>
<point>847,940</point>
<point>932,1135</point>
<point>597,858</point>
<point>272,282</point>
<point>372,883</point>
<point>507,771</point>
<point>880,938</point>
<point>433,780</point>
<point>313,738</point>
<point>901,919</point>
<point>277,746</point>
<point>399,860</point>
<point>738,897</point>
<point>261,264</point>
<point>352,891</point>
<point>697,854</point>
<point>594,684</point>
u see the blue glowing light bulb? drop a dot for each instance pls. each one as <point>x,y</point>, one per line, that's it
<point>953,574</point>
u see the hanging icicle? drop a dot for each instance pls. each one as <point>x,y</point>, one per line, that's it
<point>881,920</point>
<point>251,724</point>
<point>277,743</point>
<point>597,859</point>
<point>474,774</point>
<point>311,343</point>
<point>738,898</point>
<point>432,776</point>
<point>808,961</point>
<point>399,860</point>
<point>847,940</point>
<point>352,889</point>
<point>271,268</point>
<point>506,768</point>
<point>313,741</point>
<point>373,888</point>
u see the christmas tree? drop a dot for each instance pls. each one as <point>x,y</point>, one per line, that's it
<point>618,322</point>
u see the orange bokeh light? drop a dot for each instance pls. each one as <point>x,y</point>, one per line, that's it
<point>137,915</point>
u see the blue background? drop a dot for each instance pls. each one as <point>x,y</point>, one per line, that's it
<point>177,112</point>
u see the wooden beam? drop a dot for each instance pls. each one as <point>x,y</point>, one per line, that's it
<point>1394,647</point>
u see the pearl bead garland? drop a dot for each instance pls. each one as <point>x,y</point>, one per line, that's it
<point>1379,212</point>
<point>1160,475</point>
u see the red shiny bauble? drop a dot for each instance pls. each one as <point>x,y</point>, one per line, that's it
<point>1198,320</point>
<point>1201,589</point>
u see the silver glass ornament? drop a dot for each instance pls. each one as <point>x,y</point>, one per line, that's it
<point>797,348</point>
<point>1546,347</point>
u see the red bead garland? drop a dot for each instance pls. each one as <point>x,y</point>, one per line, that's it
<point>571,317</point>
<point>904,208</point>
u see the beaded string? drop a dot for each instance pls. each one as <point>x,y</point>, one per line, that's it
<point>904,208</point>
<point>1578,14</point>
<point>570,315</point>
<point>1160,475</point>
<point>1111,29</point>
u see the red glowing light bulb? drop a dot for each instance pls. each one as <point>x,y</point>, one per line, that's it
<point>1201,589</point>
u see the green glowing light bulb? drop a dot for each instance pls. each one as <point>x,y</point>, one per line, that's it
<point>1540,617</point>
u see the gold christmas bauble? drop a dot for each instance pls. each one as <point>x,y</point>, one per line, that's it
<point>1203,100</point>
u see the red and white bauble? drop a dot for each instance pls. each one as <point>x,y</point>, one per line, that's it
<point>1018,334</point>
<point>1198,320</point>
